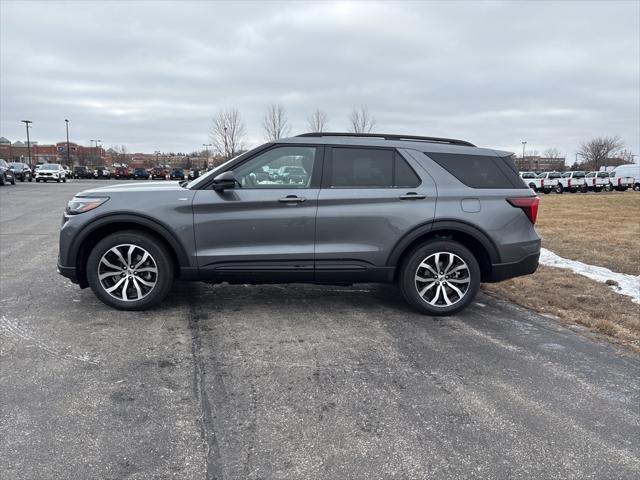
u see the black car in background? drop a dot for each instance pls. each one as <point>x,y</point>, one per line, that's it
<point>82,172</point>
<point>21,171</point>
<point>140,174</point>
<point>6,174</point>
<point>177,174</point>
<point>194,173</point>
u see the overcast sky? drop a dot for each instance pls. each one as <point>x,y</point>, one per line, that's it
<point>150,75</point>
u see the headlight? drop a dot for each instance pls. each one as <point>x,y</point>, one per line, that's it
<point>84,204</point>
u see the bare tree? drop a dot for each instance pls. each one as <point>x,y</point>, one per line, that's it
<point>318,121</point>
<point>227,133</point>
<point>595,152</point>
<point>552,153</point>
<point>275,122</point>
<point>361,121</point>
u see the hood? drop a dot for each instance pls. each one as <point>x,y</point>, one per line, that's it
<point>161,186</point>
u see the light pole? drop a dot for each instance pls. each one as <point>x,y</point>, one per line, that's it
<point>26,123</point>
<point>157,152</point>
<point>523,144</point>
<point>68,154</point>
<point>206,149</point>
<point>95,152</point>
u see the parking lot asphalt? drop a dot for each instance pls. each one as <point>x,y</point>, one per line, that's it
<point>291,381</point>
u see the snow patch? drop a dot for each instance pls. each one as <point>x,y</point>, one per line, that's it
<point>626,284</point>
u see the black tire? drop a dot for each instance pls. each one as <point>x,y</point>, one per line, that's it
<point>13,180</point>
<point>573,190</point>
<point>2,179</point>
<point>37,180</point>
<point>597,189</point>
<point>559,189</point>
<point>636,187</point>
<point>22,178</point>
<point>546,191</point>
<point>64,180</point>
<point>609,188</point>
<point>158,252</point>
<point>622,189</point>
<point>410,267</point>
<point>30,177</point>
<point>584,189</point>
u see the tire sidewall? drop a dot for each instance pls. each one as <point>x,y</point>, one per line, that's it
<point>410,265</point>
<point>157,251</point>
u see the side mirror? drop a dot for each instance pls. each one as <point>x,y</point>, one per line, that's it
<point>224,181</point>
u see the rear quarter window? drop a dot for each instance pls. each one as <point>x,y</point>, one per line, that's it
<point>479,171</point>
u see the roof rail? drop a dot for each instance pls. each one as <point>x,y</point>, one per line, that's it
<point>386,136</point>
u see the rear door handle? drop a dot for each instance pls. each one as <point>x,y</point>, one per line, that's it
<point>291,199</point>
<point>412,196</point>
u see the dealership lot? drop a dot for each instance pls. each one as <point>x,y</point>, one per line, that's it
<point>291,381</point>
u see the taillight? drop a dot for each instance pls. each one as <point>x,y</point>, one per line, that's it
<point>569,182</point>
<point>529,206</point>
<point>542,182</point>
<point>619,181</point>
<point>594,180</point>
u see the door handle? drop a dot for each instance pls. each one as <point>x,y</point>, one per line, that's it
<point>291,199</point>
<point>412,196</point>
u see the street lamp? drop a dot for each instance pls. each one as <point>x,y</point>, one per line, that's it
<point>206,149</point>
<point>68,154</point>
<point>26,124</point>
<point>96,150</point>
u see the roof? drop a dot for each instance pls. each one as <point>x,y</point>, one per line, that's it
<point>410,142</point>
<point>4,141</point>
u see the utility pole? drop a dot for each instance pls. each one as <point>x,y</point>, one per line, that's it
<point>68,153</point>
<point>206,149</point>
<point>523,144</point>
<point>26,123</point>
<point>226,151</point>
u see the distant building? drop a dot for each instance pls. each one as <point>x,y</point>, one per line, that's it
<point>536,163</point>
<point>78,154</point>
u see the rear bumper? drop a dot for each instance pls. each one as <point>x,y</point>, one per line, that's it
<point>504,271</point>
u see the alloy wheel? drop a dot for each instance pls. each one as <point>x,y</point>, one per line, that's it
<point>127,272</point>
<point>442,279</point>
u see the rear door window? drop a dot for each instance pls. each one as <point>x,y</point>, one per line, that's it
<point>368,168</point>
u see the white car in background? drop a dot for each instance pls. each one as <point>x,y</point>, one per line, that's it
<point>619,182</point>
<point>51,172</point>
<point>573,181</point>
<point>630,170</point>
<point>529,178</point>
<point>547,181</point>
<point>596,181</point>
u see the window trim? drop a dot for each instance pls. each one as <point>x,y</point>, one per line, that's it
<point>328,168</point>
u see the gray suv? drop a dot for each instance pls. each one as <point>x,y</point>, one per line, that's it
<point>436,216</point>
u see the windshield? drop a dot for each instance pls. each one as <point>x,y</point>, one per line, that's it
<point>578,174</point>
<point>50,166</point>
<point>15,164</point>
<point>554,175</point>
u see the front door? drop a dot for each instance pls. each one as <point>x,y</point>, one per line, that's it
<point>262,230</point>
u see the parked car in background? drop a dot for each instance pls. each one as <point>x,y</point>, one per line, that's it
<point>6,174</point>
<point>292,174</point>
<point>140,174</point>
<point>194,173</point>
<point>368,211</point>
<point>573,181</point>
<point>101,172</point>
<point>619,182</point>
<point>121,173</point>
<point>67,171</point>
<point>82,172</point>
<point>176,174</point>
<point>158,172</point>
<point>21,171</point>
<point>630,170</point>
<point>51,172</point>
<point>552,182</point>
<point>529,178</point>
<point>596,181</point>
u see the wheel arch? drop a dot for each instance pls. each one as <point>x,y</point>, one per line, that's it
<point>98,229</point>
<point>468,235</point>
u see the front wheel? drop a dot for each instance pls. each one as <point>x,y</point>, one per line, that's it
<point>546,191</point>
<point>609,188</point>
<point>440,278</point>
<point>13,180</point>
<point>130,270</point>
<point>559,188</point>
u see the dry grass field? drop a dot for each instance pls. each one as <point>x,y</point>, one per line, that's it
<point>600,229</point>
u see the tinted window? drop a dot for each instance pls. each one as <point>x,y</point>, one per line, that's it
<point>554,175</point>
<point>403,175</point>
<point>361,167</point>
<point>478,171</point>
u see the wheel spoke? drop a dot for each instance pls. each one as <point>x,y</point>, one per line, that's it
<point>102,276</point>
<point>437,295</point>
<point>106,262</point>
<point>424,290</point>
<point>115,285</point>
<point>144,257</point>
<point>451,259</point>
<point>445,296</point>
<point>457,290</point>
<point>135,284</point>
<point>147,269</point>
<point>129,259</point>
<point>124,289</point>
<point>117,252</point>
<point>131,287</point>
<point>458,268</point>
<point>428,267</point>
<point>459,280</point>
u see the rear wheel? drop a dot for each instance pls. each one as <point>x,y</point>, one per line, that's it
<point>130,270</point>
<point>13,180</point>
<point>440,278</point>
<point>559,188</point>
<point>2,179</point>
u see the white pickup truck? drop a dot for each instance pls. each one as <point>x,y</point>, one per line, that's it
<point>547,181</point>
<point>596,181</point>
<point>573,181</point>
<point>529,178</point>
<point>619,181</point>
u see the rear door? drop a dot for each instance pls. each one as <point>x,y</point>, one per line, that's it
<point>370,198</point>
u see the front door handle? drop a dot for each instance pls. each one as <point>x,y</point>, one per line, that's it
<point>412,196</point>
<point>291,199</point>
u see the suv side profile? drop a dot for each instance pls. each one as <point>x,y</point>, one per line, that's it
<point>435,216</point>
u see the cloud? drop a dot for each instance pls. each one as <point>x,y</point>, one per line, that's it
<point>151,75</point>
